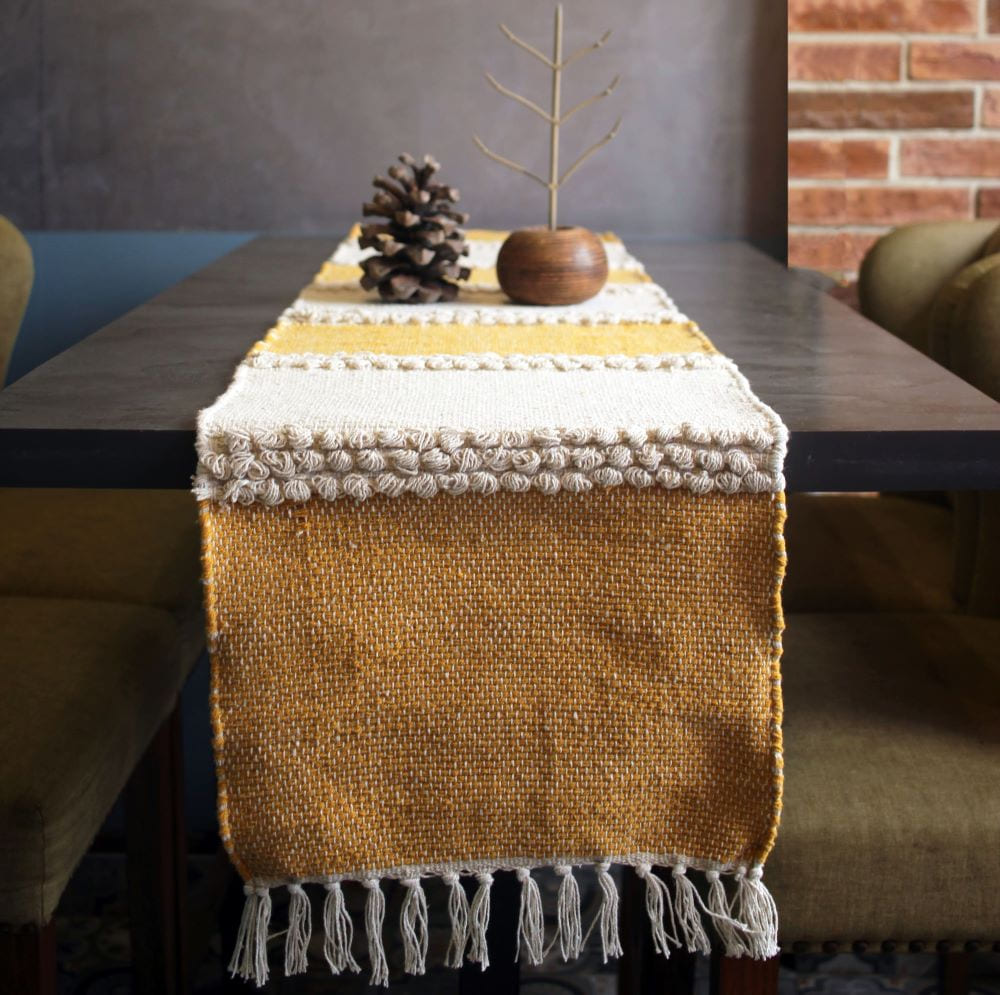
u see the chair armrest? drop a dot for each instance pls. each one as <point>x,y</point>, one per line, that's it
<point>975,357</point>
<point>904,270</point>
<point>975,342</point>
<point>17,273</point>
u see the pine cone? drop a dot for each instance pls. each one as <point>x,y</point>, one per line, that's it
<point>421,245</point>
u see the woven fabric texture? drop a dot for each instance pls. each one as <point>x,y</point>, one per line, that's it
<point>494,587</point>
<point>515,676</point>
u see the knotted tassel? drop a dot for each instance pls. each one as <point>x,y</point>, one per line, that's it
<point>569,929</point>
<point>241,963</point>
<point>250,956</point>
<point>530,920</point>
<point>608,913</point>
<point>686,901</point>
<point>657,901</point>
<point>374,917</point>
<point>413,927</point>
<point>338,931</point>
<point>458,913</point>
<point>299,931</point>
<point>718,908</point>
<point>479,919</point>
<point>754,907</point>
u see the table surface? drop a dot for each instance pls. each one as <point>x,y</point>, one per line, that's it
<point>865,411</point>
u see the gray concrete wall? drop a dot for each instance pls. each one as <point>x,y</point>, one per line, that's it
<point>244,114</point>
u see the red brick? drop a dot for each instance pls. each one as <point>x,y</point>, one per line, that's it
<point>988,203</point>
<point>881,109</point>
<point>991,109</point>
<point>950,16</point>
<point>993,16</point>
<point>843,61</point>
<point>950,157</point>
<point>955,60</point>
<point>833,252</point>
<point>838,159</point>
<point>876,205</point>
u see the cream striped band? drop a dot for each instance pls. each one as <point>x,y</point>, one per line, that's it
<point>361,424</point>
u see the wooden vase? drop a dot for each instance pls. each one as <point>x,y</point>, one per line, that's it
<point>541,266</point>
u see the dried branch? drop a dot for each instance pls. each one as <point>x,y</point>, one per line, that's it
<point>586,155</point>
<point>553,116</point>
<point>586,50</point>
<point>524,101</point>
<point>509,163</point>
<point>528,48</point>
<point>607,91</point>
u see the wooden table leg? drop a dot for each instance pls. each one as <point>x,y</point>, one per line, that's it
<point>503,975</point>
<point>954,971</point>
<point>743,976</point>
<point>641,969</point>
<point>28,961</point>
<point>156,855</point>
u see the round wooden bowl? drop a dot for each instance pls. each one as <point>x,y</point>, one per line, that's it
<point>539,266</point>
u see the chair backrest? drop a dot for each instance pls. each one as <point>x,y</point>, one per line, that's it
<point>974,354</point>
<point>937,286</point>
<point>17,273</point>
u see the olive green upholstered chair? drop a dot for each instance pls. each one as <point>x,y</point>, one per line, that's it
<point>100,624</point>
<point>934,286</point>
<point>891,824</point>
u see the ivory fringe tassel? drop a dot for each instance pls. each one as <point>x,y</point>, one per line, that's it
<point>530,920</point>
<point>746,924</point>
<point>374,918</point>
<point>688,916</point>
<point>249,959</point>
<point>754,906</point>
<point>657,899</point>
<point>608,913</point>
<point>299,931</point>
<point>413,927</point>
<point>569,929</point>
<point>730,932</point>
<point>338,931</point>
<point>458,913</point>
<point>479,919</point>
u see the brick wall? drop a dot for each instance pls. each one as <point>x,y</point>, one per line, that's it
<point>893,116</point>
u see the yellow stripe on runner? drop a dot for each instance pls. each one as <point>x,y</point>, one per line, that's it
<point>622,339</point>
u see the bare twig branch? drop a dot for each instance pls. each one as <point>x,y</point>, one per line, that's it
<point>557,43</point>
<point>524,101</point>
<point>586,155</point>
<point>528,48</point>
<point>556,64</point>
<point>586,50</point>
<point>607,91</point>
<point>509,163</point>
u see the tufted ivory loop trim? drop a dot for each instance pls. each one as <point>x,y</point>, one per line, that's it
<point>736,448</point>
<point>339,361</point>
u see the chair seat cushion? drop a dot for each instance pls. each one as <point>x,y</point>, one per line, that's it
<point>867,553</point>
<point>136,547</point>
<point>891,820</point>
<point>84,685</point>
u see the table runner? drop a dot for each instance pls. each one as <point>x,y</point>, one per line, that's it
<point>493,587</point>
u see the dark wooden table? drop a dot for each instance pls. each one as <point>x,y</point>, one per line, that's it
<point>865,411</point>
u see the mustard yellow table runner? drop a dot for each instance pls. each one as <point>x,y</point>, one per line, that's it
<point>493,587</point>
